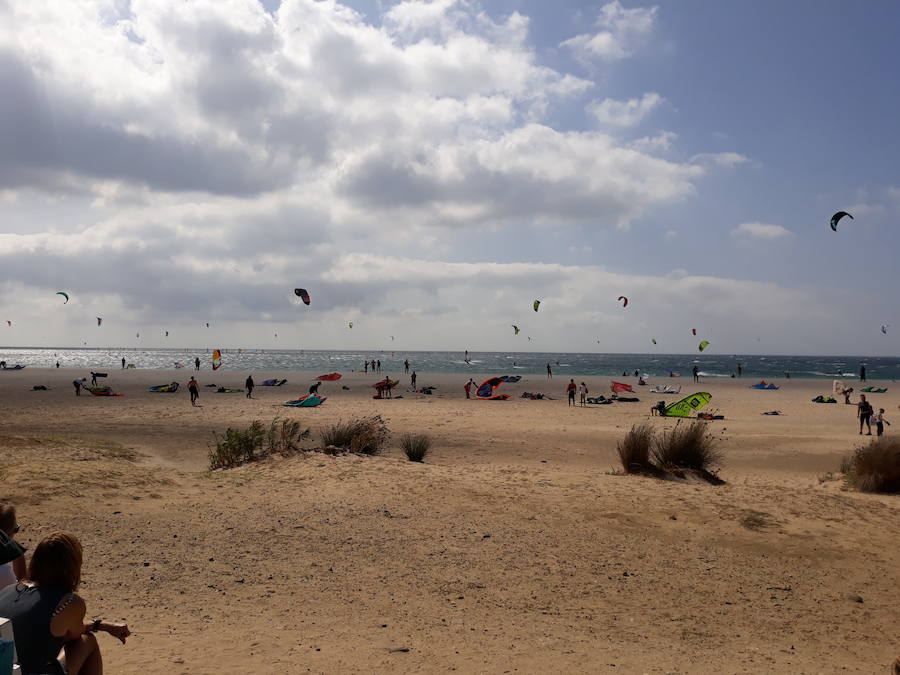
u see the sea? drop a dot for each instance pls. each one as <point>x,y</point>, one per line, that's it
<point>262,361</point>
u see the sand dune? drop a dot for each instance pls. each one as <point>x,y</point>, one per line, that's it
<point>512,548</point>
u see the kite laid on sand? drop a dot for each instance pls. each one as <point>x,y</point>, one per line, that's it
<point>684,407</point>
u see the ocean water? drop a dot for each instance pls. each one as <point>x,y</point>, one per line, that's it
<point>495,363</point>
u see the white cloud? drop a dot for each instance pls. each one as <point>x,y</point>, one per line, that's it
<point>614,113</point>
<point>725,159</point>
<point>621,32</point>
<point>761,231</point>
<point>653,144</point>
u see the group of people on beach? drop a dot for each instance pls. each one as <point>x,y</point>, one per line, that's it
<point>40,599</point>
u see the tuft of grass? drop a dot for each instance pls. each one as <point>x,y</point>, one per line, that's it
<point>365,435</point>
<point>635,448</point>
<point>240,446</point>
<point>874,467</point>
<point>415,446</point>
<point>757,520</point>
<point>689,446</point>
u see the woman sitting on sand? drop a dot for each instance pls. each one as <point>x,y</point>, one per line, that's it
<point>48,617</point>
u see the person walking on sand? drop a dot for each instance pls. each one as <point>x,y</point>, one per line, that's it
<point>412,380</point>
<point>468,387</point>
<point>194,390</point>
<point>696,371</point>
<point>248,385</point>
<point>570,392</point>
<point>880,422</point>
<point>864,412</point>
<point>549,372</point>
<point>583,391</point>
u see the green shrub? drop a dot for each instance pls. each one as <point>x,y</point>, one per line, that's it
<point>416,446</point>
<point>634,450</point>
<point>366,436</point>
<point>688,446</point>
<point>240,446</point>
<point>875,467</point>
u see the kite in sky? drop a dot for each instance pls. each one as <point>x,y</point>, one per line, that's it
<point>703,345</point>
<point>537,303</point>
<point>653,340</point>
<point>65,295</point>
<point>693,331</point>
<point>303,295</point>
<point>9,323</point>
<point>99,321</point>
<point>884,328</point>
<point>515,328</point>
<point>351,325</point>
<point>207,324</point>
<point>837,217</point>
<point>167,333</point>
<point>624,299</point>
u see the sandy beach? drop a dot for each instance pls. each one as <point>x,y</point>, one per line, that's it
<point>513,548</point>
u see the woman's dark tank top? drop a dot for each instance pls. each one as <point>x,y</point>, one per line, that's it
<point>30,609</point>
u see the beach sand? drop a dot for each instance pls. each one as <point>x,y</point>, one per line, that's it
<point>513,548</point>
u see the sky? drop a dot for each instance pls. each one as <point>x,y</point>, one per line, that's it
<point>427,169</point>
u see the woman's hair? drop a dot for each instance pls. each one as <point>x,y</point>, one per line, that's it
<point>7,517</point>
<point>56,562</point>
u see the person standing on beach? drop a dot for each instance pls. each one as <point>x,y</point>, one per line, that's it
<point>248,385</point>
<point>862,373</point>
<point>123,363</point>
<point>378,365</point>
<point>93,379</point>
<point>196,363</point>
<point>412,380</point>
<point>696,371</point>
<point>366,366</point>
<point>583,390</point>
<point>468,387</point>
<point>880,422</point>
<point>549,372</point>
<point>864,412</point>
<point>570,391</point>
<point>406,366</point>
<point>194,390</point>
<point>57,364</point>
